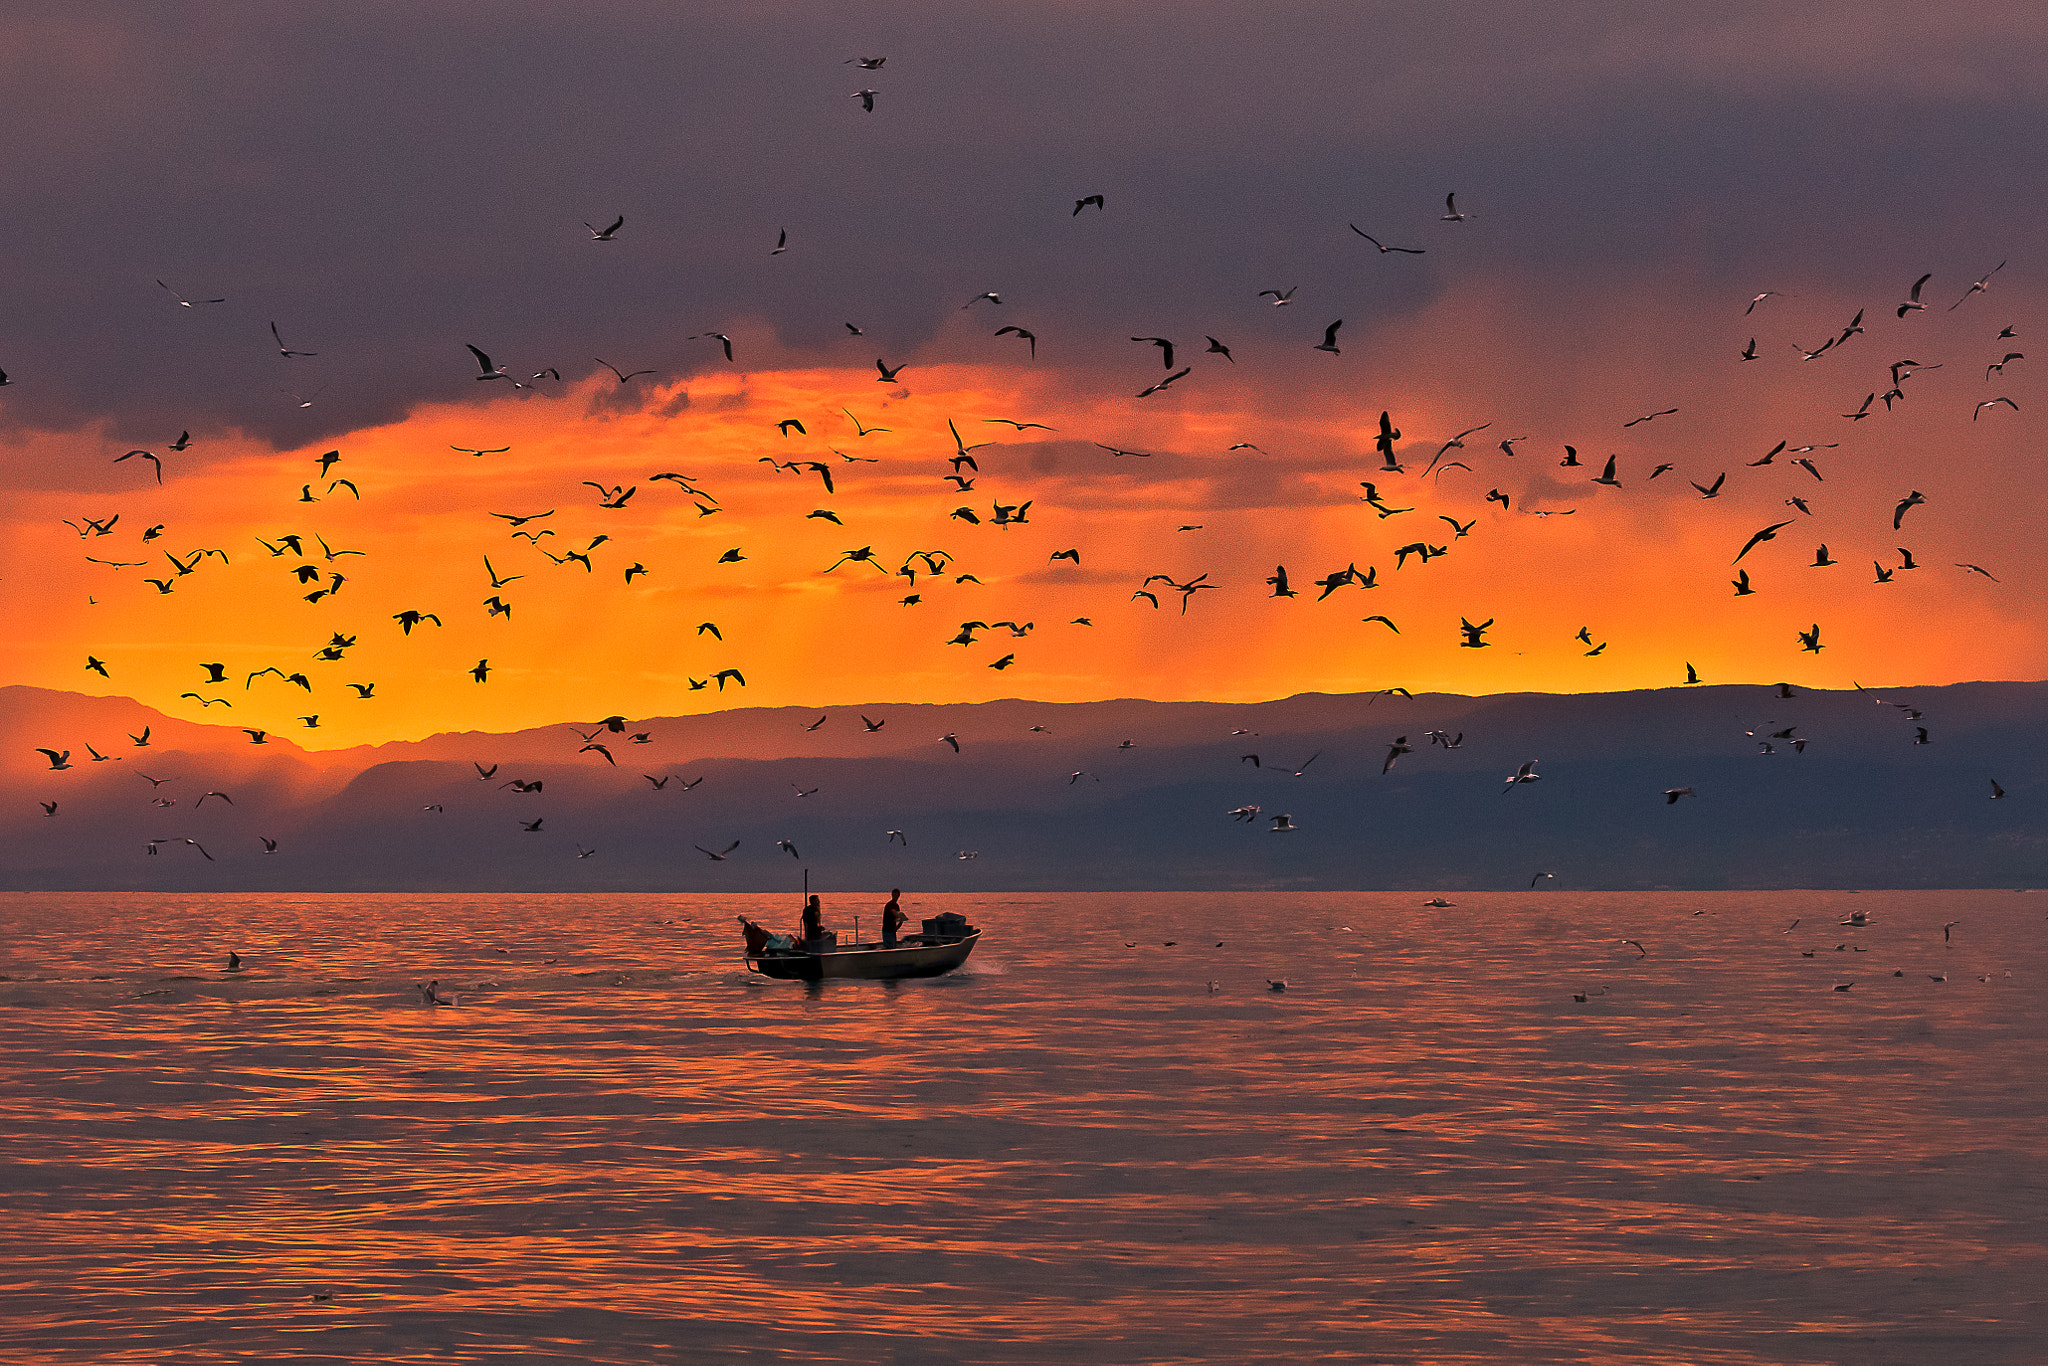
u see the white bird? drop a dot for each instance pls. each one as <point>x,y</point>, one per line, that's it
<point>483,363</point>
<point>1983,283</point>
<point>1913,303</point>
<point>184,302</point>
<point>284,350</point>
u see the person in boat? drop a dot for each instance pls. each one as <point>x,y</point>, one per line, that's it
<point>757,938</point>
<point>892,918</point>
<point>814,920</point>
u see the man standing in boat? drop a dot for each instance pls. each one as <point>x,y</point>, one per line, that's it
<point>814,922</point>
<point>892,918</point>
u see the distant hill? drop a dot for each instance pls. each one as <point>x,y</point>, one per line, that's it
<point>1861,806</point>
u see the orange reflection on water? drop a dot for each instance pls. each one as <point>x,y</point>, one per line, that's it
<point>1423,1149</point>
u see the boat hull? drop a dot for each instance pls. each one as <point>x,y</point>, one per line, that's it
<point>866,962</point>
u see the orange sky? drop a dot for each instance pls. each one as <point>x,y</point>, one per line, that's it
<point>1645,568</point>
<point>1625,188</point>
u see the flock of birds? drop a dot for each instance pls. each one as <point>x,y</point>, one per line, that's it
<point>323,570</point>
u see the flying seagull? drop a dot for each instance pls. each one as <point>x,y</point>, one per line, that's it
<point>184,302</point>
<point>150,456</point>
<point>1384,248</point>
<point>1165,349</point>
<point>1913,303</point>
<point>1769,533</point>
<point>1983,283</point>
<point>623,375</point>
<point>1152,389</point>
<point>284,350</point>
<point>483,362</point>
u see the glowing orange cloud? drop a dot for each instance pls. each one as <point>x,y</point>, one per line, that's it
<point>1224,478</point>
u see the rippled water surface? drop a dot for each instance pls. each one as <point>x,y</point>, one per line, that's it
<point>1090,1145</point>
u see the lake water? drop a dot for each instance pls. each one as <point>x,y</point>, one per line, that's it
<point>1089,1146</point>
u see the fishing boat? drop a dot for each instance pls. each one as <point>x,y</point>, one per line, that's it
<point>944,945</point>
<point>915,955</point>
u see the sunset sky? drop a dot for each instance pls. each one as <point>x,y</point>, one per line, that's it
<point>389,184</point>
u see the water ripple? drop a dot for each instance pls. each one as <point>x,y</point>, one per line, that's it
<point>1090,1146</point>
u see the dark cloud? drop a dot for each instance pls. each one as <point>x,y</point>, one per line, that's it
<point>389,183</point>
